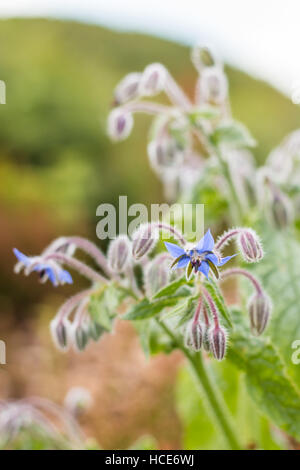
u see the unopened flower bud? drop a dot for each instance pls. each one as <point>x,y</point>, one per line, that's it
<point>60,331</point>
<point>197,335</point>
<point>281,210</point>
<point>217,342</point>
<point>120,123</point>
<point>78,400</point>
<point>80,338</point>
<point>128,88</point>
<point>119,254</point>
<point>259,308</point>
<point>165,154</point>
<point>194,335</point>
<point>144,240</point>
<point>153,79</point>
<point>157,274</point>
<point>250,245</point>
<point>205,341</point>
<point>212,86</point>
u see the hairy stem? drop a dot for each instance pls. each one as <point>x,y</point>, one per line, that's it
<point>242,272</point>
<point>216,403</point>
<point>172,230</point>
<point>78,266</point>
<point>238,216</point>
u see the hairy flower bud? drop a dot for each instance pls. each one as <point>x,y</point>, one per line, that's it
<point>194,335</point>
<point>197,335</point>
<point>281,210</point>
<point>259,308</point>
<point>119,254</point>
<point>128,88</point>
<point>164,154</point>
<point>60,331</point>
<point>217,342</point>
<point>212,86</point>
<point>250,245</point>
<point>120,123</point>
<point>153,79</point>
<point>205,341</point>
<point>157,274</point>
<point>80,338</point>
<point>144,240</point>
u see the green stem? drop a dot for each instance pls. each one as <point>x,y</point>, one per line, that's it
<point>234,195</point>
<point>218,407</point>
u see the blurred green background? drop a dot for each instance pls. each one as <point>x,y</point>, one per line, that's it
<point>57,164</point>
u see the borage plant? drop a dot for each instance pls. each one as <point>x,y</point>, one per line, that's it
<point>174,297</point>
<point>178,305</point>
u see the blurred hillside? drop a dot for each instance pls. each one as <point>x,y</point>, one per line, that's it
<point>60,77</point>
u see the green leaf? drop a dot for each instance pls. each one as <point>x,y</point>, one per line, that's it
<point>173,287</point>
<point>279,272</point>
<point>217,297</point>
<point>266,377</point>
<point>204,112</point>
<point>146,309</point>
<point>234,134</point>
<point>103,305</point>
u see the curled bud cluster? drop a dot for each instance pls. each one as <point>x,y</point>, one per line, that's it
<point>250,246</point>
<point>259,308</point>
<point>211,336</point>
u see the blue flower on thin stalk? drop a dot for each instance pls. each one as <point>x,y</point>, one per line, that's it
<point>200,258</point>
<point>47,269</point>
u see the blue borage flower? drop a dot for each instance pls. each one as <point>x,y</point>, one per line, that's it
<point>47,269</point>
<point>200,258</point>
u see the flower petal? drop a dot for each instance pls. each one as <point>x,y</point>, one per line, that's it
<point>174,250</point>
<point>204,268</point>
<point>213,258</point>
<point>182,263</point>
<point>51,275</point>
<point>21,257</point>
<point>65,276</point>
<point>206,243</point>
<point>224,260</point>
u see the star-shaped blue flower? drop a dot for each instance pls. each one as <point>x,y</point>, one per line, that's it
<point>46,269</point>
<point>200,258</point>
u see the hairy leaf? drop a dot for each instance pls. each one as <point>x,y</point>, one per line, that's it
<point>266,377</point>
<point>234,134</point>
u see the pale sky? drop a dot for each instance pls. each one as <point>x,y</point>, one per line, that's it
<point>261,37</point>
